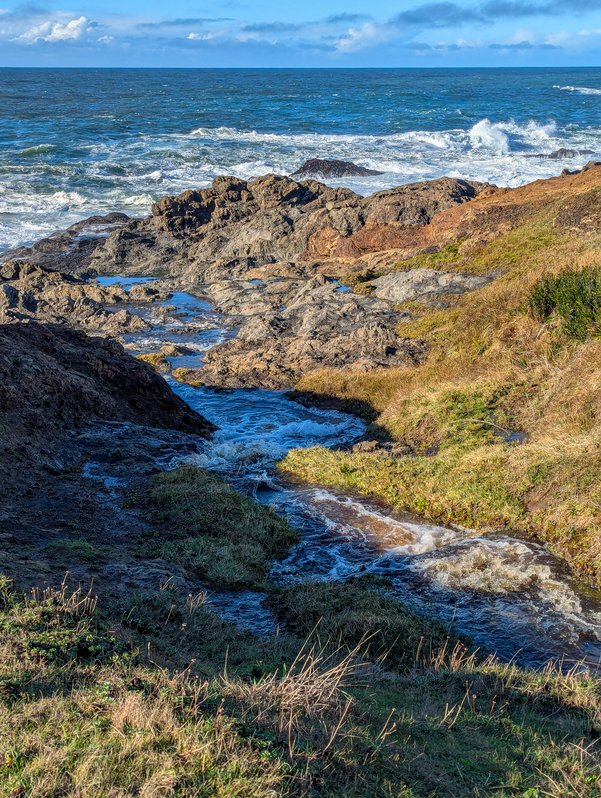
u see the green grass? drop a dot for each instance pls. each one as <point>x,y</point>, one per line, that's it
<point>314,721</point>
<point>225,538</point>
<point>67,549</point>
<point>358,613</point>
<point>520,355</point>
<point>574,297</point>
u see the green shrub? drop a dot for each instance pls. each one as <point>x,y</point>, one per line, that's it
<point>573,296</point>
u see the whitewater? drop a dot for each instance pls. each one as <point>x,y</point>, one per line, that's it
<point>124,138</point>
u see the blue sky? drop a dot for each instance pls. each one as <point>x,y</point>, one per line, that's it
<point>336,33</point>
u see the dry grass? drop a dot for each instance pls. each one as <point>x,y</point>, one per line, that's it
<point>492,369</point>
<point>328,724</point>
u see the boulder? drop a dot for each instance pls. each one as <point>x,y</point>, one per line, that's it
<point>399,287</point>
<point>327,168</point>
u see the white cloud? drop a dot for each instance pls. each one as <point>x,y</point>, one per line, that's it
<point>367,35</point>
<point>71,31</point>
<point>200,37</point>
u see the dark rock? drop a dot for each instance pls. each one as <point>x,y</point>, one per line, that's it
<point>561,153</point>
<point>326,168</point>
<point>53,380</point>
<point>70,250</point>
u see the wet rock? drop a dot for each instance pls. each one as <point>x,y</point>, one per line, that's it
<point>327,168</point>
<point>423,284</point>
<point>142,292</point>
<point>561,153</point>
<point>317,326</point>
<point>69,250</point>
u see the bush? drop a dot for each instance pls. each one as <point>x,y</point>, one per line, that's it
<point>574,296</point>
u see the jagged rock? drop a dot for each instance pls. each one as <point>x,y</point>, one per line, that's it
<point>235,226</point>
<point>142,292</point>
<point>422,284</point>
<point>69,250</point>
<point>29,291</point>
<point>291,321</point>
<point>317,326</point>
<point>332,168</point>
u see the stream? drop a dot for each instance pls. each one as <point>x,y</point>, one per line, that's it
<point>509,595</point>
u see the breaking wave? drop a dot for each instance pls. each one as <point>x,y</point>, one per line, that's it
<point>579,89</point>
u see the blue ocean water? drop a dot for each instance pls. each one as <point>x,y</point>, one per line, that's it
<point>77,142</point>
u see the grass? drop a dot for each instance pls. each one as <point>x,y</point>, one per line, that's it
<point>225,538</point>
<point>502,415</point>
<point>357,614</point>
<point>327,721</point>
<point>69,549</point>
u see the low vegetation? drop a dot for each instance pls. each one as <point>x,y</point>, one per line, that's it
<point>501,419</point>
<point>82,715</point>
<point>202,522</point>
<point>574,297</point>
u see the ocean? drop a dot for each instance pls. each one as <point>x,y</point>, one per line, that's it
<point>75,142</point>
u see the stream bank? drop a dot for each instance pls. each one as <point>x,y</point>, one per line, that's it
<point>510,596</point>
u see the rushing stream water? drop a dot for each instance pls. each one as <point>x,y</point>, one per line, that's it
<point>510,596</point>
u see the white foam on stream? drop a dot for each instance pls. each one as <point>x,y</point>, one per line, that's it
<point>508,593</point>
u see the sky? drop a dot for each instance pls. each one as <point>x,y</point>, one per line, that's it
<point>311,33</point>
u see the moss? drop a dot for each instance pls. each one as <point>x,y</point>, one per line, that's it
<point>202,522</point>
<point>445,258</point>
<point>67,549</point>
<point>190,376</point>
<point>157,360</point>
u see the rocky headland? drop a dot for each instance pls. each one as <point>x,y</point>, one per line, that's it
<point>462,321</point>
<point>270,253</point>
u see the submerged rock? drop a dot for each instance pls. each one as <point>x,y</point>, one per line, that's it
<point>562,152</point>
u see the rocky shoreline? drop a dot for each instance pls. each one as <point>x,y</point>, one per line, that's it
<point>270,254</point>
<point>312,280</point>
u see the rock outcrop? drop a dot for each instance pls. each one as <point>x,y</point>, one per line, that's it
<point>237,226</point>
<point>258,250</point>
<point>332,168</point>
<point>29,291</point>
<point>69,251</point>
<point>302,326</point>
<point>53,380</point>
<point>424,284</point>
